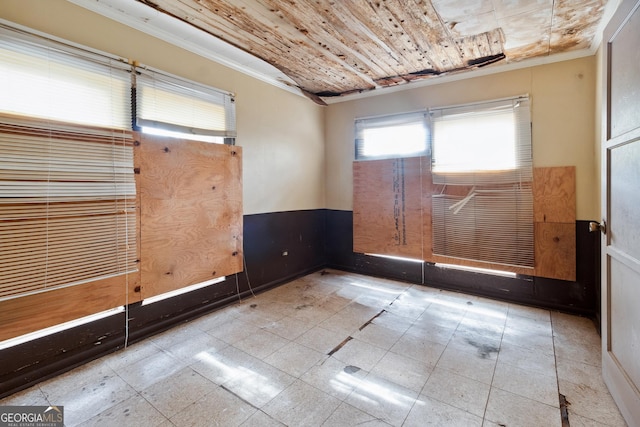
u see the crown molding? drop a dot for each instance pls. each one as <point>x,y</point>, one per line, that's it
<point>464,75</point>
<point>154,23</point>
<point>150,21</point>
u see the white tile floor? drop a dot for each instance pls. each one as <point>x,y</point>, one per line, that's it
<point>343,350</point>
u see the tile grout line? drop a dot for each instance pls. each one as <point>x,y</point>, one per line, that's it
<point>368,322</point>
<point>139,393</point>
<point>434,365</point>
<point>329,354</point>
<point>486,405</point>
<point>339,346</point>
<point>556,346</point>
<point>389,350</point>
<point>222,386</point>
<point>562,400</point>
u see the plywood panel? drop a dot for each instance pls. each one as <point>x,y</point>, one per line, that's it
<point>555,250</point>
<point>554,194</point>
<point>191,212</point>
<point>172,169</point>
<point>72,240</point>
<point>186,242</point>
<point>23,315</point>
<point>377,225</point>
<point>554,211</point>
<point>387,213</point>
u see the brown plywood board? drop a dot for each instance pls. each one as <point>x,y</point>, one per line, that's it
<point>27,314</point>
<point>191,212</point>
<point>554,194</point>
<point>555,250</point>
<point>387,213</point>
<point>375,229</point>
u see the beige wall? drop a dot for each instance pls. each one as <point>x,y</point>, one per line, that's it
<point>298,155</point>
<point>563,115</point>
<point>282,134</point>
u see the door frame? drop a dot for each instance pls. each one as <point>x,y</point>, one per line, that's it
<point>622,389</point>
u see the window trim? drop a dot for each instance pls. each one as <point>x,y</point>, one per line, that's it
<point>146,76</point>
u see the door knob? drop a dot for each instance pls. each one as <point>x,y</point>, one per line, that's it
<point>595,226</point>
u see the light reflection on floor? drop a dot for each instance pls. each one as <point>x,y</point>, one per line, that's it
<point>490,363</point>
<point>246,382</point>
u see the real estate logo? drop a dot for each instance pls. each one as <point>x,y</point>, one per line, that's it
<point>31,416</point>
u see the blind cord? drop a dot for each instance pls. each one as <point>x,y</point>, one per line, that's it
<point>246,272</point>
<point>46,259</point>
<point>126,237</point>
<point>126,274</point>
<point>238,288</point>
<point>46,254</point>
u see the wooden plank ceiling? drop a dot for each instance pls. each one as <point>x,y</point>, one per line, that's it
<point>334,47</point>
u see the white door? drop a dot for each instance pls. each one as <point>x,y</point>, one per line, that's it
<point>621,210</point>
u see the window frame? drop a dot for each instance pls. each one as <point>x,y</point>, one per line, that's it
<point>148,109</point>
<point>388,121</point>
<point>21,313</point>
<point>466,227</point>
<point>522,143</point>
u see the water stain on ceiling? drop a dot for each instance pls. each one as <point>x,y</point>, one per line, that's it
<point>332,48</point>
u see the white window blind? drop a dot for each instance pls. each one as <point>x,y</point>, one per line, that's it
<point>482,143</point>
<point>392,136</point>
<point>482,156</point>
<point>495,226</point>
<point>179,105</point>
<point>67,190</point>
<point>46,79</point>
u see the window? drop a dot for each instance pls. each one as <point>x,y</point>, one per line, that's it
<point>41,78</point>
<point>172,106</point>
<point>482,143</point>
<point>69,209</point>
<point>482,158</point>
<point>67,190</point>
<point>385,137</point>
<point>183,135</point>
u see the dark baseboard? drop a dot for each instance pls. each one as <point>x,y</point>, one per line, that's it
<point>280,247</point>
<point>579,297</point>
<point>266,237</point>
